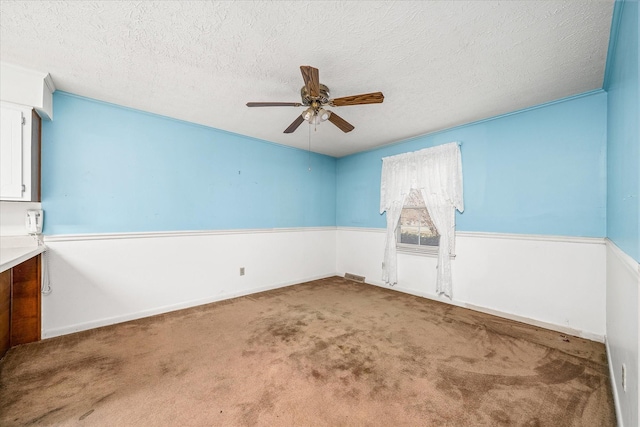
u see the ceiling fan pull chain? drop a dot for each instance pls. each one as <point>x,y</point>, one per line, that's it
<point>309,151</point>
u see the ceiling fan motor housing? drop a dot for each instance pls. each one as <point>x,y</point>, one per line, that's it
<point>307,99</point>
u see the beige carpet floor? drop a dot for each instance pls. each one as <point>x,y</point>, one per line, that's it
<point>328,352</point>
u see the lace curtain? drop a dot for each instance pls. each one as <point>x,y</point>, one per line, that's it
<point>437,173</point>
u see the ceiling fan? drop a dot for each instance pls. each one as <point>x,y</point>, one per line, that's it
<point>316,96</point>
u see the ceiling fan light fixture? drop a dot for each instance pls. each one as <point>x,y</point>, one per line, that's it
<point>323,114</point>
<point>308,114</point>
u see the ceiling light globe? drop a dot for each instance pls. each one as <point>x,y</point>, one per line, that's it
<point>323,114</point>
<point>308,114</point>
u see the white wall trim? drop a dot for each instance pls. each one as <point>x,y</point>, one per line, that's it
<point>612,379</point>
<point>514,236</point>
<point>498,313</point>
<point>477,234</point>
<point>155,234</point>
<point>627,261</point>
<point>535,237</point>
<point>363,229</point>
<point>169,308</point>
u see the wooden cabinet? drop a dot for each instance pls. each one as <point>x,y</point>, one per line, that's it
<point>25,302</point>
<point>5,311</point>
<point>20,304</point>
<point>20,135</point>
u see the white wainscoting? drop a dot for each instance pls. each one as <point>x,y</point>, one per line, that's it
<point>554,282</point>
<point>623,329</point>
<point>104,279</point>
<point>549,281</point>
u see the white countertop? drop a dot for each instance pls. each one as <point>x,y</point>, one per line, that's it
<point>14,251</point>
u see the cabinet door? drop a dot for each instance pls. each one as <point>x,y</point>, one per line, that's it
<point>5,311</point>
<point>11,165</point>
<point>25,301</point>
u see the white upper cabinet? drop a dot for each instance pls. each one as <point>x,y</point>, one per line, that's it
<point>11,153</point>
<point>25,96</point>
<point>19,153</point>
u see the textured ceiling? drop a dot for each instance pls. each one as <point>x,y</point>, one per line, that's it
<point>439,64</point>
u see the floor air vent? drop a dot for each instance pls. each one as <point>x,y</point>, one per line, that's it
<point>354,277</point>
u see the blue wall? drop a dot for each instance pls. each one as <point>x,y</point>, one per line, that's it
<point>111,169</point>
<point>540,171</point>
<point>623,138</point>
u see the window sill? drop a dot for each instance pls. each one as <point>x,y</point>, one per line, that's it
<point>428,251</point>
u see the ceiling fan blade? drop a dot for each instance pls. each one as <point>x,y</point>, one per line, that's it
<point>293,126</point>
<point>365,98</point>
<point>273,104</point>
<point>340,122</point>
<point>311,78</point>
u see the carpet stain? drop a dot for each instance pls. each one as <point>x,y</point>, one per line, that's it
<point>103,398</point>
<point>286,332</point>
<point>559,371</point>
<point>85,415</point>
<point>44,416</point>
<point>500,417</point>
<point>251,411</point>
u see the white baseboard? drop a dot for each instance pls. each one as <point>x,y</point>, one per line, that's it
<point>510,316</point>
<point>554,282</point>
<point>169,308</point>
<point>539,323</point>
<point>616,398</point>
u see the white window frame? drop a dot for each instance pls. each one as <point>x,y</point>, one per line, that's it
<point>414,249</point>
<point>411,248</point>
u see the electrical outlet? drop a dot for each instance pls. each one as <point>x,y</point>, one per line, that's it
<point>383,265</point>
<point>242,271</point>
<point>624,377</point>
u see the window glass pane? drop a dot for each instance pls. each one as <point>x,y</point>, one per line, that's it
<point>426,225</point>
<point>409,235</point>
<point>415,226</point>
<point>427,239</point>
<point>425,221</point>
<point>411,217</point>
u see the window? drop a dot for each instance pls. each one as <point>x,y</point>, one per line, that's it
<point>438,169</point>
<point>416,232</point>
